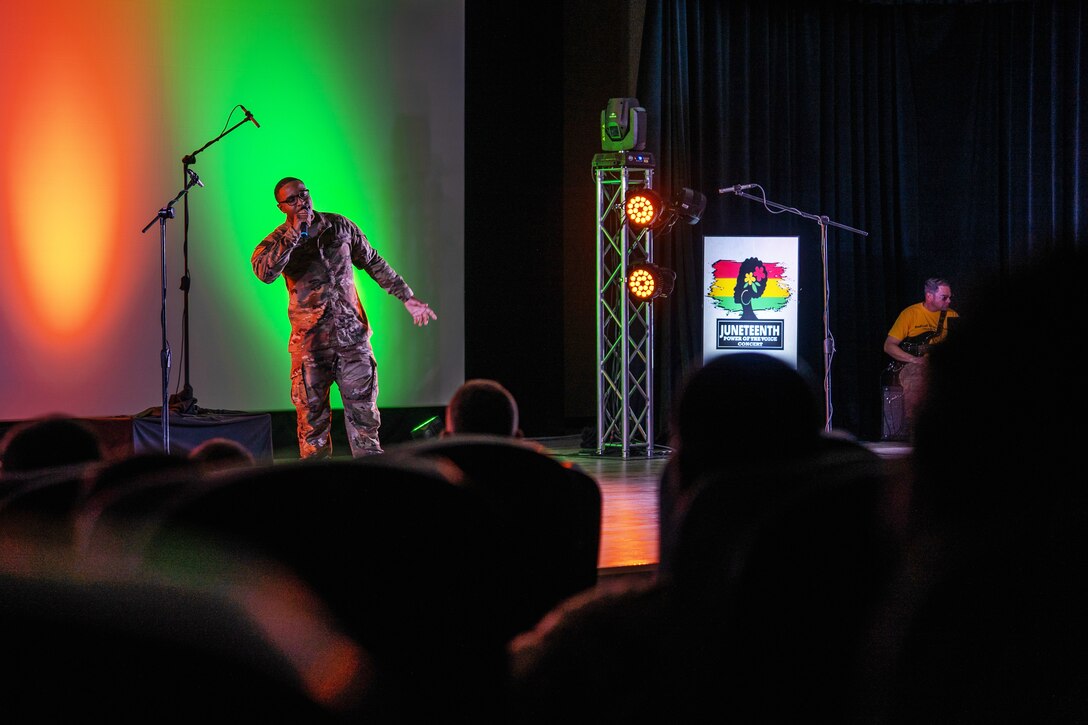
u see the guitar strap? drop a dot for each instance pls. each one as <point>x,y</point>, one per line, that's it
<point>940,324</point>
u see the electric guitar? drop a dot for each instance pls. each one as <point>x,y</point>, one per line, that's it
<point>916,345</point>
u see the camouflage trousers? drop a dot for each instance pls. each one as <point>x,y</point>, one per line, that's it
<point>356,376</point>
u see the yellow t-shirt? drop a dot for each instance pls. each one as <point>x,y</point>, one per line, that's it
<point>917,320</point>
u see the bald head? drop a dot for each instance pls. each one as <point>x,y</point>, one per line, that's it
<point>482,406</point>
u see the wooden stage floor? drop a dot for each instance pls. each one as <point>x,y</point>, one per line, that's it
<point>628,501</point>
<point>629,520</point>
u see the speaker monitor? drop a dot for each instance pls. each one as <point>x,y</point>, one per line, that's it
<point>894,425</point>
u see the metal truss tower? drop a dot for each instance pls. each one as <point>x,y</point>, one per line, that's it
<point>625,337</point>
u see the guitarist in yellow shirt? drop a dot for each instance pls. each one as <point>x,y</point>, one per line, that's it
<point>914,331</point>
<point>920,325</point>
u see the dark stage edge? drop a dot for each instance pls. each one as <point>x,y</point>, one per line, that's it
<point>399,425</point>
<point>269,435</point>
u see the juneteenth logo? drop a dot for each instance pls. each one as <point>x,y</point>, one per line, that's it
<point>742,289</point>
<point>745,288</point>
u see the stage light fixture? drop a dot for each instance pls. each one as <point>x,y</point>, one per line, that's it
<point>623,125</point>
<point>647,281</point>
<point>689,205</point>
<point>645,208</point>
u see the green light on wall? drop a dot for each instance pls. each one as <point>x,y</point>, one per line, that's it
<point>327,115</point>
<point>364,101</point>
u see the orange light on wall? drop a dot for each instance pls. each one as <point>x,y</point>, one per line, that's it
<point>62,217</point>
<point>70,128</point>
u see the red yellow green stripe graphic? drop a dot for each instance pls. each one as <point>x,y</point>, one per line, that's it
<point>776,292</point>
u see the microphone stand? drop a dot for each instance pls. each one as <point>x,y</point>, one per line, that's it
<point>186,395</point>
<point>167,212</point>
<point>824,222</point>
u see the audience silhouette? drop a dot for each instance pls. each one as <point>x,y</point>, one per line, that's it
<point>985,622</point>
<point>238,638</point>
<point>48,442</point>
<point>547,512</point>
<point>43,468</point>
<point>400,554</point>
<point>482,406</point>
<point>774,550</point>
<point>222,454</point>
<point>735,413</point>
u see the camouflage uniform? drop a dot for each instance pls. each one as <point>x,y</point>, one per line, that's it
<point>330,334</point>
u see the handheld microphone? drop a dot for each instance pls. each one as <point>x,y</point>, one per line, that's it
<point>194,178</point>
<point>736,188</point>
<point>249,116</point>
<point>303,230</point>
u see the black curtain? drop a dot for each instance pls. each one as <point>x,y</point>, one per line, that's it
<point>952,133</point>
<point>513,271</point>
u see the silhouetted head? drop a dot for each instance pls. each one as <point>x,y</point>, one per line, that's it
<point>217,454</point>
<point>740,409</point>
<point>140,468</point>
<point>482,406</point>
<point>55,440</point>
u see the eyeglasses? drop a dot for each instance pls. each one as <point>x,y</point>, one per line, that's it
<point>295,198</point>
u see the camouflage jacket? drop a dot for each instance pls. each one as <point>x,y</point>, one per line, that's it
<point>323,302</point>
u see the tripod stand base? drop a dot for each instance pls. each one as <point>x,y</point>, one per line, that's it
<point>183,402</point>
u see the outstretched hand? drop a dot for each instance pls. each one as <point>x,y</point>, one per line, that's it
<point>420,311</point>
